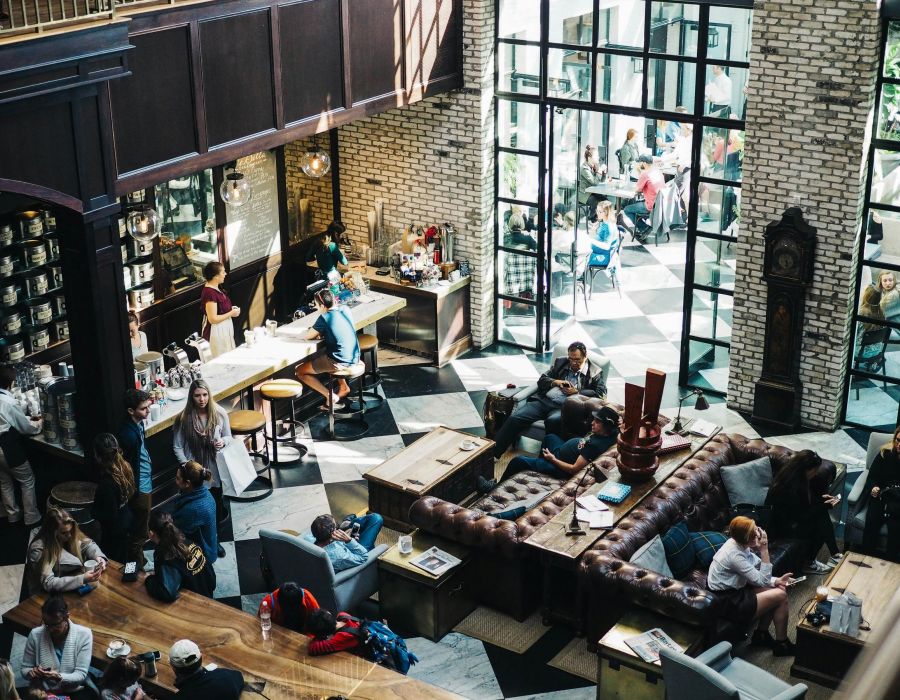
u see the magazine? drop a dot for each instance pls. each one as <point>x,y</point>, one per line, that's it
<point>648,644</point>
<point>435,561</point>
<point>702,427</point>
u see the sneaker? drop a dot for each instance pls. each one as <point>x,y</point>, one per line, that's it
<point>220,552</point>
<point>816,567</point>
<point>835,559</point>
<point>783,647</point>
<point>485,486</point>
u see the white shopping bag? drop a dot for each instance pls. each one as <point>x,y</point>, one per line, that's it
<point>236,469</point>
<point>846,615</point>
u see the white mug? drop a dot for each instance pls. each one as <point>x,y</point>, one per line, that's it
<point>249,338</point>
<point>271,326</point>
<point>154,412</point>
<point>404,544</point>
<point>454,275</point>
<point>89,565</point>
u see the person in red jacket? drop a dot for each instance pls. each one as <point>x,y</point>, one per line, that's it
<point>330,632</point>
<point>291,606</point>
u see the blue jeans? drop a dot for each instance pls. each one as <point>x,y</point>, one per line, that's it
<point>638,209</point>
<point>521,419</point>
<point>369,527</point>
<point>539,464</point>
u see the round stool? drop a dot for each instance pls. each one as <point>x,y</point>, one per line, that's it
<point>248,424</point>
<point>273,391</point>
<point>77,499</point>
<point>371,380</point>
<point>349,415</point>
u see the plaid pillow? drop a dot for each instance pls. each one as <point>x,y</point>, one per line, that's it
<point>705,546</point>
<point>679,552</point>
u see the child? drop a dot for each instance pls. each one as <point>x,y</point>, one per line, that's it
<point>120,680</point>
<point>327,630</point>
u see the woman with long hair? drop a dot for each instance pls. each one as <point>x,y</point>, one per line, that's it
<point>115,487</point>
<point>120,680</point>
<point>743,581</point>
<point>57,554</point>
<point>604,234</point>
<point>217,325</point>
<point>890,294</point>
<point>201,430</point>
<point>7,681</point>
<point>194,510</point>
<point>137,338</point>
<point>883,487</point>
<point>800,513</point>
<point>177,563</point>
<point>629,153</point>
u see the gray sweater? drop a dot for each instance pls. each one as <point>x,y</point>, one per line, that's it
<point>66,575</point>
<point>76,657</point>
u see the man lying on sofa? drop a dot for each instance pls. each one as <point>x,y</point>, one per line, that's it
<point>568,376</point>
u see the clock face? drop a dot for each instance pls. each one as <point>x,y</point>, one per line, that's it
<point>786,259</point>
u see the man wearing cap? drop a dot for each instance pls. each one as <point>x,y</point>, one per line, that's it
<point>196,683</point>
<point>563,459</point>
<point>650,182</point>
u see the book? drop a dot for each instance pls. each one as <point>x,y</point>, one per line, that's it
<point>596,520</point>
<point>647,644</point>
<point>591,503</point>
<point>434,561</point>
<point>702,427</point>
<point>672,443</point>
<point>614,492</point>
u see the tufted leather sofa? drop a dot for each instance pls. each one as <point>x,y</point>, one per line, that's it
<point>696,494</point>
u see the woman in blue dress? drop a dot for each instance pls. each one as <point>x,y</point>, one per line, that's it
<point>604,235</point>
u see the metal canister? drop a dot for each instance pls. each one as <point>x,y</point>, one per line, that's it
<point>139,249</point>
<point>48,401</point>
<point>123,227</point>
<point>124,252</point>
<point>60,330</point>
<point>154,360</point>
<point>34,253</point>
<point>52,241</point>
<point>141,271</point>
<point>31,225</point>
<point>49,218</point>
<point>12,349</point>
<point>142,374</point>
<point>7,265</point>
<point>37,338</point>
<point>40,311</point>
<point>126,275</point>
<point>54,275</point>
<point>67,422</point>
<point>11,323</point>
<point>6,235</point>
<point>141,296</point>
<point>63,393</point>
<point>135,197</point>
<point>36,284</point>
<point>59,304</point>
<point>9,295</point>
<point>51,431</point>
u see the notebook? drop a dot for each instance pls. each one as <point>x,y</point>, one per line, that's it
<point>673,443</point>
<point>613,492</point>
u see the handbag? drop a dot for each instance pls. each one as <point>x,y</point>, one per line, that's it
<point>497,408</point>
<point>846,615</point>
<point>761,515</point>
<point>236,469</point>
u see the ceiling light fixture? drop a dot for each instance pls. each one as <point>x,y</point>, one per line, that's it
<point>315,162</point>
<point>143,224</point>
<point>235,189</point>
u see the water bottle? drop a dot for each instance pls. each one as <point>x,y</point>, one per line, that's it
<point>265,619</point>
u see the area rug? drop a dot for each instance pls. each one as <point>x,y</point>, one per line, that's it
<point>574,658</point>
<point>501,630</point>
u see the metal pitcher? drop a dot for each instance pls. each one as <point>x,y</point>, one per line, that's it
<point>197,341</point>
<point>177,354</point>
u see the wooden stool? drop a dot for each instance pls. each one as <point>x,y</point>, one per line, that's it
<point>371,380</point>
<point>77,498</point>
<point>249,423</point>
<point>273,391</point>
<point>351,415</point>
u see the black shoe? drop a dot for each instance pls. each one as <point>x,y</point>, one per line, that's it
<point>220,552</point>
<point>762,638</point>
<point>485,486</point>
<point>783,647</point>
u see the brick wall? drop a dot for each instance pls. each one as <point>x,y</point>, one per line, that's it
<point>813,68</point>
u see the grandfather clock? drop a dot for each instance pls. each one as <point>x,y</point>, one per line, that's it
<point>787,269</point>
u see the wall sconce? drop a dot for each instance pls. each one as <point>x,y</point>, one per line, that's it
<point>143,224</point>
<point>712,39</point>
<point>235,189</point>
<point>315,162</point>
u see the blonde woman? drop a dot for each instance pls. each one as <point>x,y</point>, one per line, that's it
<point>7,681</point>
<point>890,294</point>
<point>115,487</point>
<point>883,487</point>
<point>57,554</point>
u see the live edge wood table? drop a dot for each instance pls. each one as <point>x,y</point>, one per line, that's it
<point>434,465</point>
<point>823,656</point>
<point>559,553</point>
<point>278,668</point>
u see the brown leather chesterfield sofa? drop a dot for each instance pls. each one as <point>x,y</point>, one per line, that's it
<point>694,493</point>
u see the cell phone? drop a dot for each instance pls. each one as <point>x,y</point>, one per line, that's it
<point>795,581</point>
<point>85,589</point>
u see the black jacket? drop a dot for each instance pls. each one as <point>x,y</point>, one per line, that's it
<point>220,684</point>
<point>115,518</point>
<point>592,385</point>
<point>171,575</point>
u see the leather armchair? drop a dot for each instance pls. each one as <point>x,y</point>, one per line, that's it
<point>858,500</point>
<point>291,558</point>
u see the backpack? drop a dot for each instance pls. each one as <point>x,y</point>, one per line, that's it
<point>382,645</point>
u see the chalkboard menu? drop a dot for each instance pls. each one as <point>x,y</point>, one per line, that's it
<point>252,231</point>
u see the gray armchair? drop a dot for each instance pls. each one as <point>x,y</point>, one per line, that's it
<point>291,558</point>
<point>714,675</point>
<point>858,501</point>
<point>537,430</point>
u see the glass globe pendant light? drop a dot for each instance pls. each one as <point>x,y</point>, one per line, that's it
<point>235,189</point>
<point>315,162</point>
<point>143,224</point>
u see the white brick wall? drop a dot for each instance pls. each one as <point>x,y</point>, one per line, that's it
<point>813,67</point>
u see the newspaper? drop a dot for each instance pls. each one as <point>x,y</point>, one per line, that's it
<point>648,644</point>
<point>435,561</point>
<point>597,519</point>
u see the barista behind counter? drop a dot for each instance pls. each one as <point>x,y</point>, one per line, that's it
<point>328,254</point>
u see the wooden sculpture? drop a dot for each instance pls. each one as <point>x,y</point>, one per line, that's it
<point>641,437</point>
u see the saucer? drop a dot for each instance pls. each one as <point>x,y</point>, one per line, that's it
<point>126,650</point>
<point>176,394</point>
<point>467,445</point>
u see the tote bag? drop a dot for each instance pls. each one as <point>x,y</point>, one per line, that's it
<point>236,469</point>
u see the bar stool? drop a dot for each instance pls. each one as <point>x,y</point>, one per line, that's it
<point>351,415</point>
<point>249,423</point>
<point>371,380</point>
<point>276,390</point>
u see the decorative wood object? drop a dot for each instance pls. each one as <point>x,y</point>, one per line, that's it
<point>641,436</point>
<point>788,266</point>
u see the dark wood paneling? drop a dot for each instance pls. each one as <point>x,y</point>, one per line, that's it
<point>237,76</point>
<point>431,31</point>
<point>90,149</point>
<point>376,48</point>
<point>311,80</point>
<point>153,110</point>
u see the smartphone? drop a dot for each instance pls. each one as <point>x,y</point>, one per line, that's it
<point>85,589</point>
<point>795,581</point>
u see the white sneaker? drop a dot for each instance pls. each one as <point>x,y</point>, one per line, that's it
<point>834,560</point>
<point>816,567</point>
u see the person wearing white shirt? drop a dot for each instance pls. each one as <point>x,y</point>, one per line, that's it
<point>137,338</point>
<point>744,584</point>
<point>718,93</point>
<point>14,464</point>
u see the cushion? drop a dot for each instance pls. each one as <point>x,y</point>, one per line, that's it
<point>679,552</point>
<point>748,482</point>
<point>705,545</point>
<point>652,557</point>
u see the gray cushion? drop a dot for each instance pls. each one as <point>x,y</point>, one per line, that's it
<point>748,482</point>
<point>652,557</point>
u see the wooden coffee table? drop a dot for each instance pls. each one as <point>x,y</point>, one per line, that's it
<point>823,656</point>
<point>434,465</point>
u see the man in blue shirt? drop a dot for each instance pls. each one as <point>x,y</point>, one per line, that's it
<point>345,550</point>
<point>134,449</point>
<point>335,325</point>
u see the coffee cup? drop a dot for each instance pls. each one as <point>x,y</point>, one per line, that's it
<point>89,566</point>
<point>404,544</point>
<point>454,276</point>
<point>249,338</point>
<point>271,326</point>
<point>822,594</point>
<point>117,647</point>
<point>154,412</point>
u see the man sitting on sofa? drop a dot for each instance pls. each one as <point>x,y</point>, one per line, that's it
<point>568,376</point>
<point>563,459</point>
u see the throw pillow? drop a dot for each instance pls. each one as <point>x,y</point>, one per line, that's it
<point>705,546</point>
<point>652,557</point>
<point>679,552</point>
<point>748,482</point>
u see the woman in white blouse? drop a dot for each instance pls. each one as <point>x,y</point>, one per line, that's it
<point>137,338</point>
<point>744,583</point>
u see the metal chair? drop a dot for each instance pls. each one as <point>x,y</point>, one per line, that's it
<point>273,391</point>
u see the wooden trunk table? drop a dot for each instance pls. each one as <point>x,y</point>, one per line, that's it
<point>823,656</point>
<point>434,465</point>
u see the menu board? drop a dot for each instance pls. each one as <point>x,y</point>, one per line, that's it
<point>252,231</point>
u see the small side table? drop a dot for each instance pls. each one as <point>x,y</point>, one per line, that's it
<point>622,674</point>
<point>415,602</point>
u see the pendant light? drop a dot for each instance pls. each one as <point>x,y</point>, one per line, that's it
<point>315,162</point>
<point>143,224</point>
<point>235,189</point>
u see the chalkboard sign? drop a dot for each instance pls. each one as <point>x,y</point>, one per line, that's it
<point>252,231</point>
